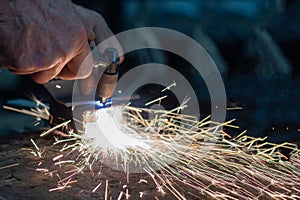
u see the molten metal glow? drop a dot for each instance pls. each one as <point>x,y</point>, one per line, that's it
<point>107,131</point>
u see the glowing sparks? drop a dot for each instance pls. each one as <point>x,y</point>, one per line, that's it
<point>156,100</point>
<point>182,156</point>
<point>190,153</point>
<point>38,113</point>
<point>32,141</point>
<point>9,166</point>
<point>169,87</point>
<point>63,185</point>
<point>120,195</point>
<point>96,188</point>
<point>54,128</point>
<point>108,132</point>
<point>38,152</point>
<point>58,157</point>
<point>42,170</point>
<point>106,190</point>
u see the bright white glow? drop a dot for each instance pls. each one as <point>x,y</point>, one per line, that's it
<point>109,132</point>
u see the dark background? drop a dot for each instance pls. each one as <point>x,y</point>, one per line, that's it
<point>255,44</point>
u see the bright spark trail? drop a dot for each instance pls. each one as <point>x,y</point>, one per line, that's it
<point>185,158</point>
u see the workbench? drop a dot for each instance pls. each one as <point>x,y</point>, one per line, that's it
<point>19,178</point>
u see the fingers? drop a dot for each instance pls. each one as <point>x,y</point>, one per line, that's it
<point>88,85</point>
<point>80,66</point>
<point>74,70</point>
<point>98,30</point>
<point>42,77</point>
<point>90,35</point>
<point>103,32</point>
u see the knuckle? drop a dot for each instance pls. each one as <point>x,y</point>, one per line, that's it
<point>28,65</point>
<point>23,64</point>
<point>46,75</point>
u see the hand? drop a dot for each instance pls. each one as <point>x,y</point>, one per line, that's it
<point>49,39</point>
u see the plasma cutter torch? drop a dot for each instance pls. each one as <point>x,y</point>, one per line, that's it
<point>62,106</point>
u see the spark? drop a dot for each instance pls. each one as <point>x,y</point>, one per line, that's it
<point>106,189</point>
<point>9,166</point>
<point>143,181</point>
<point>169,87</point>
<point>36,113</point>
<point>64,162</point>
<point>55,128</point>
<point>156,100</point>
<point>96,188</point>
<point>127,194</point>
<point>141,194</point>
<point>58,157</point>
<point>63,186</point>
<point>120,195</point>
<point>38,152</point>
<point>37,148</point>
<point>42,170</point>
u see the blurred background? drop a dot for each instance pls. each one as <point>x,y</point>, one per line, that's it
<point>254,43</point>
